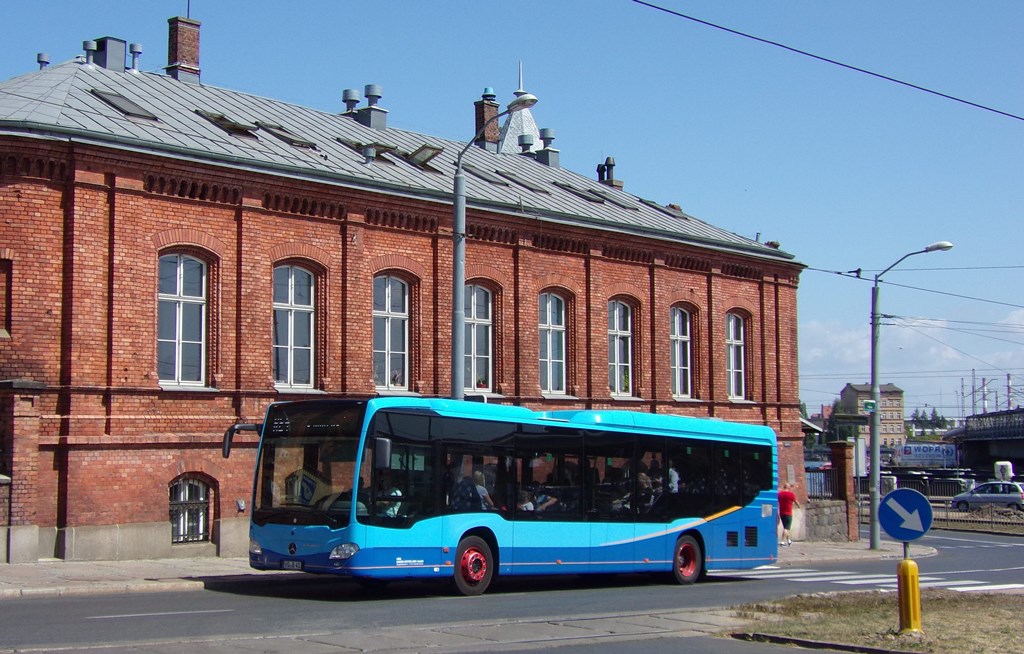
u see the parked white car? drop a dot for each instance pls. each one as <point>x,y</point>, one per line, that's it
<point>997,493</point>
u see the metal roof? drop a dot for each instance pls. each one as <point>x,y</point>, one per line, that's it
<point>61,102</point>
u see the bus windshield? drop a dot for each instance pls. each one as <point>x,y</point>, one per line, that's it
<point>306,474</point>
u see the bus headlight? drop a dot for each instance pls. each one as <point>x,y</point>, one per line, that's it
<point>254,547</point>
<point>344,551</point>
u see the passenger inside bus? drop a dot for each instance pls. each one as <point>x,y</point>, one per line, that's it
<point>486,503</point>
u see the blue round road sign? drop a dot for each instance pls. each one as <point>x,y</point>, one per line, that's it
<point>905,514</point>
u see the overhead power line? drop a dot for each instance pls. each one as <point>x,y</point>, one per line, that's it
<point>864,71</point>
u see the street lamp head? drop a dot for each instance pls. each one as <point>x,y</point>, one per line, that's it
<point>940,245</point>
<point>524,101</point>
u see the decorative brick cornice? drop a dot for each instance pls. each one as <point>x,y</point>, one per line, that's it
<point>622,253</point>
<point>695,264</point>
<point>492,233</point>
<point>743,272</point>
<point>401,220</point>
<point>303,206</point>
<point>184,187</point>
<point>49,168</point>
<point>560,244</point>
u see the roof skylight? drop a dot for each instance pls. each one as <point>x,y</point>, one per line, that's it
<point>124,105</point>
<point>286,136</point>
<point>521,181</point>
<point>484,175</point>
<point>227,124</point>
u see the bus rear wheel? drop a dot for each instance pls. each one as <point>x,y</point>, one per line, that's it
<point>474,566</point>
<point>687,561</point>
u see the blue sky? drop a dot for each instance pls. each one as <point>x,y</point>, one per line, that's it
<point>844,169</point>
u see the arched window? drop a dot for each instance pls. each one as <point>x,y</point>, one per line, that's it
<point>390,333</point>
<point>190,510</point>
<point>294,321</point>
<point>681,352</point>
<point>552,343</point>
<point>181,320</point>
<point>620,348</point>
<point>735,356</point>
<point>479,333</point>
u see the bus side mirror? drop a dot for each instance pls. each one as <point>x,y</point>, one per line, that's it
<point>230,433</point>
<point>382,453</point>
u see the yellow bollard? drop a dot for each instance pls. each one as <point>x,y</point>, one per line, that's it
<point>909,593</point>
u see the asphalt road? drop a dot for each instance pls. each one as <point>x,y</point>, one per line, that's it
<point>316,614</point>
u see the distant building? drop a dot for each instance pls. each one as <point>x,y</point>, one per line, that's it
<point>892,428</point>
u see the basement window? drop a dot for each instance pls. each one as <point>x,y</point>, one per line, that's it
<point>124,105</point>
<point>230,126</point>
<point>189,510</point>
<point>525,183</point>
<point>286,136</point>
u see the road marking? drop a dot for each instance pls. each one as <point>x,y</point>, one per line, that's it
<point>990,587</point>
<point>160,614</point>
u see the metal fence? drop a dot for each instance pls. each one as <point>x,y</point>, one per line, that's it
<point>939,493</point>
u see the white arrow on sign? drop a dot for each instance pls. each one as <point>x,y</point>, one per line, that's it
<point>911,521</point>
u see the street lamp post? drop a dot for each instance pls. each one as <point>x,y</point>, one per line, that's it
<point>875,455</point>
<point>522,101</point>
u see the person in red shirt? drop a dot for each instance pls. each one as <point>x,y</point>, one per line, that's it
<point>787,500</point>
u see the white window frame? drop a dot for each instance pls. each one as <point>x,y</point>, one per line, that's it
<point>181,303</point>
<point>551,310</point>
<point>681,360</point>
<point>620,348</point>
<point>394,320</point>
<point>479,339</point>
<point>288,344</point>
<point>735,356</point>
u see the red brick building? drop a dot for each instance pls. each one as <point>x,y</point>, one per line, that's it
<point>174,257</point>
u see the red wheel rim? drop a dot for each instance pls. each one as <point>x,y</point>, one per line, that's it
<point>686,560</point>
<point>473,565</point>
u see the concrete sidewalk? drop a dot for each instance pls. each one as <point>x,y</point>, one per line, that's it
<point>61,578</point>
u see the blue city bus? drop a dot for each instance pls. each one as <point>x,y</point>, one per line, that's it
<point>398,487</point>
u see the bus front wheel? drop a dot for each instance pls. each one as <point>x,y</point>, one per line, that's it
<point>687,560</point>
<point>474,566</point>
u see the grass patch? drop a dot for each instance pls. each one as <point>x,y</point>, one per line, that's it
<point>951,622</point>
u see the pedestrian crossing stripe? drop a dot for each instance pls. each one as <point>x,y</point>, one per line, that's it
<point>885,582</point>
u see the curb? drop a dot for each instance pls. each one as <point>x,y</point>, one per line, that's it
<point>755,637</point>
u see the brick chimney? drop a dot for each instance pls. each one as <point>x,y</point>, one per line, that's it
<point>486,108</point>
<point>183,49</point>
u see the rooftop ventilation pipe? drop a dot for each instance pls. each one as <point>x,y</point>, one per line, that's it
<point>136,50</point>
<point>547,155</point>
<point>371,115</point>
<point>183,49</point>
<point>90,51</point>
<point>526,142</point>
<point>486,111</point>
<point>43,59</point>
<point>608,176</point>
<point>351,98</point>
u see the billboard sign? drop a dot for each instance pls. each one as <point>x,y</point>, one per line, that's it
<point>926,455</point>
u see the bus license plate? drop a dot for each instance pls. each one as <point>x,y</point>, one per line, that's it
<point>291,565</point>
